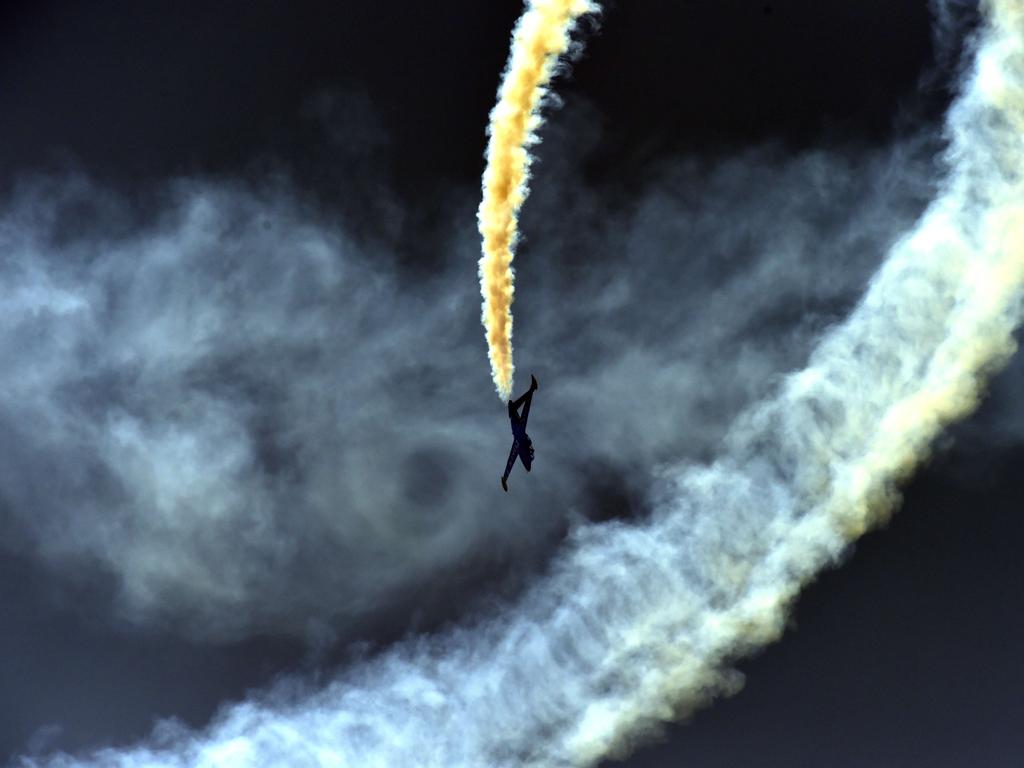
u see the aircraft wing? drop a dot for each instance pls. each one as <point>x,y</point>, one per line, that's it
<point>526,409</point>
<point>512,457</point>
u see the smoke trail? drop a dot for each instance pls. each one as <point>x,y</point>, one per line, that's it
<point>540,37</point>
<point>637,624</point>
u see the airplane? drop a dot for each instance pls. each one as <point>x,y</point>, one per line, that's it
<point>522,446</point>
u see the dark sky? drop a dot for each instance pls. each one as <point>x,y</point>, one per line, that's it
<point>374,114</point>
<point>142,91</point>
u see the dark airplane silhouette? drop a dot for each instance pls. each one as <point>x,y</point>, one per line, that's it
<point>522,446</point>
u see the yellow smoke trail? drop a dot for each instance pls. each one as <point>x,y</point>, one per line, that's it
<point>540,37</point>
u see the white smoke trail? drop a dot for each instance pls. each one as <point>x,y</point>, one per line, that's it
<point>637,623</point>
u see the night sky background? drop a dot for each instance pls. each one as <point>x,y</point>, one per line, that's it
<point>371,116</point>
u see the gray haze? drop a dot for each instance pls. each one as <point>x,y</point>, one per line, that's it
<point>256,422</point>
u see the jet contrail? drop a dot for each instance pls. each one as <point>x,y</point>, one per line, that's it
<point>636,624</point>
<point>541,36</point>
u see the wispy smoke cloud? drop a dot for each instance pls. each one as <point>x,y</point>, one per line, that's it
<point>257,423</point>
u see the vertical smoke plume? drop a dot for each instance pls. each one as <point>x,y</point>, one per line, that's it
<point>540,37</point>
<point>637,624</point>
